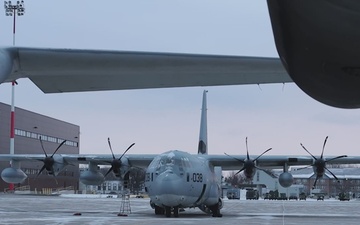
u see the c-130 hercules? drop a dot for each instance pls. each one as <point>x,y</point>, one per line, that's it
<point>174,179</point>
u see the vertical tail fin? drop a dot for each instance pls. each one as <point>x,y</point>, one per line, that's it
<point>202,149</point>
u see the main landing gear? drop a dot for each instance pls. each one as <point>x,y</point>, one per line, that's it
<point>215,209</point>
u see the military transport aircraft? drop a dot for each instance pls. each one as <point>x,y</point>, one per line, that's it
<point>174,179</point>
<point>317,42</point>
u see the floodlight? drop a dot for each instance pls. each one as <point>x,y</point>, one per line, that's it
<point>10,9</point>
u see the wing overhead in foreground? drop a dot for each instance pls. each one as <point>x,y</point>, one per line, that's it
<point>70,70</point>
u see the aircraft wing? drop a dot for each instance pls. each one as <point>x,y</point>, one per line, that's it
<point>269,161</point>
<point>21,157</point>
<point>70,70</point>
<point>138,160</point>
<point>226,162</point>
<point>141,161</point>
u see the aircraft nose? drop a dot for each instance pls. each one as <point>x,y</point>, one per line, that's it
<point>168,182</point>
<point>169,189</point>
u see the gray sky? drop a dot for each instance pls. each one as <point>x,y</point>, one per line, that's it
<point>162,119</point>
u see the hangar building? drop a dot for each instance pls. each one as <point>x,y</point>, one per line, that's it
<point>29,126</point>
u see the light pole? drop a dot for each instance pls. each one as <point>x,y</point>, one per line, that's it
<point>12,10</point>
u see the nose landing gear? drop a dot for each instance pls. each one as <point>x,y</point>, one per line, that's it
<point>168,211</point>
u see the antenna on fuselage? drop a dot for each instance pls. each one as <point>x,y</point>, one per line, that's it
<point>202,148</point>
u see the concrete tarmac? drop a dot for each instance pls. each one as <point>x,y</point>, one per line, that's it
<point>38,210</point>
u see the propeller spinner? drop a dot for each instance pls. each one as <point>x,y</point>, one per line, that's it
<point>319,164</point>
<point>249,165</point>
<point>116,163</point>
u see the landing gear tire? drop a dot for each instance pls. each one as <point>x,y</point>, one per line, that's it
<point>215,209</point>
<point>159,210</point>
<point>176,211</point>
<point>167,211</point>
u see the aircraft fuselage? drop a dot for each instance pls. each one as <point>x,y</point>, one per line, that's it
<point>178,179</point>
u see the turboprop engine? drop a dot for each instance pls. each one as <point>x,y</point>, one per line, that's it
<point>118,165</point>
<point>249,165</point>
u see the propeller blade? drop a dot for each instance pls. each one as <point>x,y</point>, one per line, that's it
<point>261,154</point>
<point>42,169</point>
<point>322,153</point>
<point>332,174</point>
<point>308,151</point>
<point>42,146</point>
<point>111,168</point>
<point>235,158</point>
<point>58,148</point>
<point>315,182</point>
<point>127,150</point>
<point>247,150</point>
<point>304,167</point>
<point>242,169</point>
<point>111,148</point>
<point>338,157</point>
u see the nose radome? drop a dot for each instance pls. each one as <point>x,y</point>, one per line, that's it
<point>169,182</point>
<point>169,189</point>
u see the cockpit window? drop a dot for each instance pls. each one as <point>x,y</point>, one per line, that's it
<point>185,162</point>
<point>170,161</point>
<point>167,161</point>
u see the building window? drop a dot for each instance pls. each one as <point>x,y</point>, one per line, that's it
<point>33,135</point>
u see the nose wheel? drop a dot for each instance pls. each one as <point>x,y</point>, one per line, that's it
<point>176,211</point>
<point>169,210</point>
<point>159,210</point>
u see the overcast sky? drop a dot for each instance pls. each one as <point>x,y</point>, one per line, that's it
<point>158,120</point>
